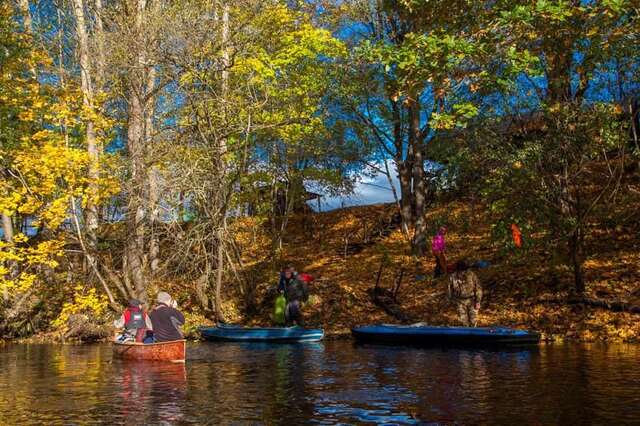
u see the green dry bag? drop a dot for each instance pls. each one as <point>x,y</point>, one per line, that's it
<point>278,311</point>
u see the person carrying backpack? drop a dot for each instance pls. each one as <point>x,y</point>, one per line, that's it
<point>135,322</point>
<point>296,293</point>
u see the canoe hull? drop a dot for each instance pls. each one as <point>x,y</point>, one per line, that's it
<point>438,336</point>
<point>272,335</point>
<point>165,351</point>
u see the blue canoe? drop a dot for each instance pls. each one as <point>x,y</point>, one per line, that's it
<point>423,335</point>
<point>234,333</point>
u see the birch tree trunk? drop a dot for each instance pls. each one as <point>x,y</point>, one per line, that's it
<point>99,32</point>
<point>222,228</point>
<point>91,213</point>
<point>154,216</point>
<point>136,214</point>
<point>154,177</point>
<point>7,228</point>
<point>136,144</point>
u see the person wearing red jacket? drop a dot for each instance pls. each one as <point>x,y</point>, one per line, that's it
<point>135,322</point>
<point>517,235</point>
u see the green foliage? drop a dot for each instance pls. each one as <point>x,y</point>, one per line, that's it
<point>545,180</point>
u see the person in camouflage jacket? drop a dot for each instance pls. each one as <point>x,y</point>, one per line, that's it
<point>465,290</point>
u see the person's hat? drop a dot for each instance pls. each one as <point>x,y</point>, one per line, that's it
<point>134,303</point>
<point>163,297</point>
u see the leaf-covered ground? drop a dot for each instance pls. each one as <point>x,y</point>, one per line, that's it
<point>344,249</point>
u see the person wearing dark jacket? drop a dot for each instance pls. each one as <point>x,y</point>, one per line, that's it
<point>287,274</point>
<point>166,319</point>
<point>296,293</point>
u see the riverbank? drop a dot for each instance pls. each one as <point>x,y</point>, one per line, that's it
<point>348,250</point>
<point>344,251</point>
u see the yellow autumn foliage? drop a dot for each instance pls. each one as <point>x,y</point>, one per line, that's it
<point>43,158</point>
<point>85,302</point>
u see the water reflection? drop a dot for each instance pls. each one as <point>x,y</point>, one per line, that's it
<point>152,392</point>
<point>328,383</point>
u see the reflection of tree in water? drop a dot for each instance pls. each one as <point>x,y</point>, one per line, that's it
<point>53,380</point>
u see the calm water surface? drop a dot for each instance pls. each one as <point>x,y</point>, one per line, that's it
<point>330,383</point>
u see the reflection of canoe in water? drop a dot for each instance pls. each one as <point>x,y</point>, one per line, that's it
<point>427,335</point>
<point>173,351</point>
<point>232,333</point>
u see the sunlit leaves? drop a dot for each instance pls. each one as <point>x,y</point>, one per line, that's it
<point>420,58</point>
<point>86,302</point>
<point>43,156</point>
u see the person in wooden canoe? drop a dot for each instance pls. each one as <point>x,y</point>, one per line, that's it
<point>465,290</point>
<point>166,319</point>
<point>135,322</point>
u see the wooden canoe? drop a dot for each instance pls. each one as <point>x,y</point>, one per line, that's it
<point>173,351</point>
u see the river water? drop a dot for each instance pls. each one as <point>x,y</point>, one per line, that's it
<point>334,382</point>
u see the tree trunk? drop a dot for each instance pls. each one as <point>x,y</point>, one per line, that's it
<point>225,52</point>
<point>634,128</point>
<point>136,217</point>
<point>91,213</point>
<point>611,305</point>
<point>403,165</point>
<point>99,31</point>
<point>577,260</point>
<point>406,209</point>
<point>419,184</point>
<point>140,110</point>
<point>7,229</point>
<point>220,274</point>
<point>222,166</point>
<point>570,207</point>
<point>153,177</point>
<point>154,215</point>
